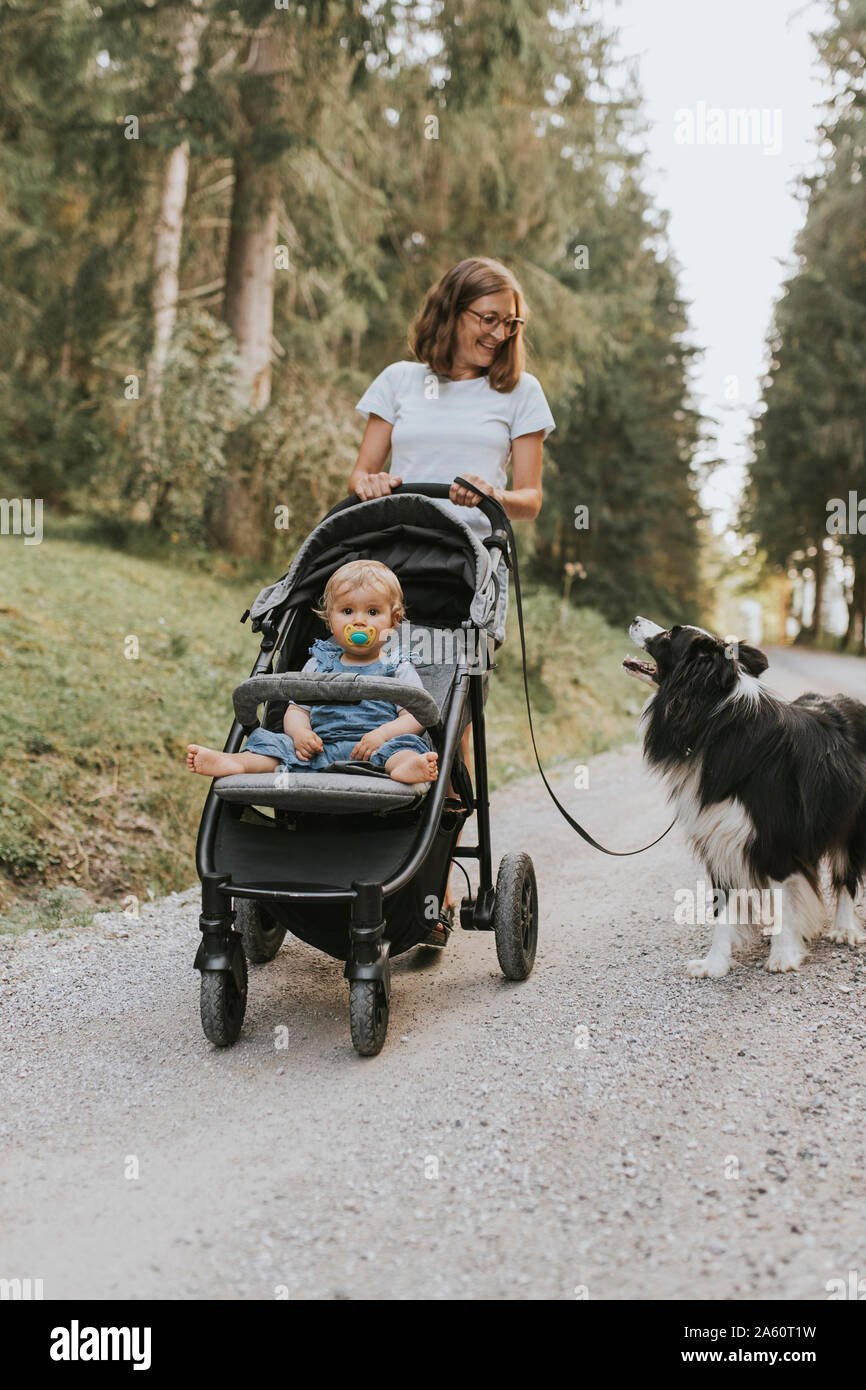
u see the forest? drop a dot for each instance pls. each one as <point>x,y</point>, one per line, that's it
<point>220,218</point>
<point>808,455</point>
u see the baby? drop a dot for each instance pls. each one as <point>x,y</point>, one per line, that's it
<point>362,596</point>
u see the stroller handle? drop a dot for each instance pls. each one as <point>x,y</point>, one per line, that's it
<point>493,510</point>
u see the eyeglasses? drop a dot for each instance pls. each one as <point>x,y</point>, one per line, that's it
<point>490,321</point>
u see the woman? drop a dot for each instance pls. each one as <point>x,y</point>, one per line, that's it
<point>460,410</point>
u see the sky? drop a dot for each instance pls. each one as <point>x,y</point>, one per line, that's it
<point>732,206</point>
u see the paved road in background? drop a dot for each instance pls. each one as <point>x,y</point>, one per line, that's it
<point>610,1128</point>
<point>795,669</point>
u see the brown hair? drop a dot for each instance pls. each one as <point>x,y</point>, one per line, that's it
<point>433,334</point>
<point>353,575</point>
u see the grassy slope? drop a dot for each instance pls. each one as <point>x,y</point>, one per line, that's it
<point>95,803</point>
<point>582,702</point>
<point>94,792</point>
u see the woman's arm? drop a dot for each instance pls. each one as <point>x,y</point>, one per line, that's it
<point>522,501</point>
<point>367,477</point>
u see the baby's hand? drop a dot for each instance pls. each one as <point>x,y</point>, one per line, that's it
<point>367,745</point>
<point>307,745</point>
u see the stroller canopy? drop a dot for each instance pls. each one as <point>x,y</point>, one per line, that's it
<point>445,571</point>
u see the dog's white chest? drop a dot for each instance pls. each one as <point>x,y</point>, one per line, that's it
<point>718,834</point>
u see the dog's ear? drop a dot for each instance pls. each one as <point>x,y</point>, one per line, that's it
<point>751,659</point>
<point>712,661</point>
<point>724,666</point>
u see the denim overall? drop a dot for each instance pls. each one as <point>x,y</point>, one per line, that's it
<point>339,726</point>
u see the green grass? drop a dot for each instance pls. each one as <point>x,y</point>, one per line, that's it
<point>96,804</point>
<point>94,794</point>
<point>582,702</point>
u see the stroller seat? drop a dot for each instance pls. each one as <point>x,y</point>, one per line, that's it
<point>334,793</point>
<point>370,790</point>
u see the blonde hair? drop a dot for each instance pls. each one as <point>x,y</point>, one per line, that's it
<point>354,575</point>
<point>433,335</point>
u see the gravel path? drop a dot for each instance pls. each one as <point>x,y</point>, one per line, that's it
<point>610,1128</point>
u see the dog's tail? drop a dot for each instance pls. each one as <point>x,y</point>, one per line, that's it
<point>854,715</point>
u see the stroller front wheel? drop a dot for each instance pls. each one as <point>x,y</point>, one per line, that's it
<point>368,1016</point>
<point>223,1004</point>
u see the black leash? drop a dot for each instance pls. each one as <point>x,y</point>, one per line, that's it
<point>511,562</point>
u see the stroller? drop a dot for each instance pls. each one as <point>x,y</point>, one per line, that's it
<point>349,860</point>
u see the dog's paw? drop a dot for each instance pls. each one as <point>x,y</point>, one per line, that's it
<point>779,961</point>
<point>846,936</point>
<point>711,967</point>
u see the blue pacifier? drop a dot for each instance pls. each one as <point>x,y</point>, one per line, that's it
<point>359,636</point>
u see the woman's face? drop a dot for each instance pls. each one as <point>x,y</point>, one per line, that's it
<point>476,345</point>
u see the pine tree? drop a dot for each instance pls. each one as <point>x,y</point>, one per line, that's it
<point>808,439</point>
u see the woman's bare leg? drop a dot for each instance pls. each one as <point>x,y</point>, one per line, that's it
<point>450,900</point>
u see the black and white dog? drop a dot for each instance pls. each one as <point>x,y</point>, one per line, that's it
<point>765,788</point>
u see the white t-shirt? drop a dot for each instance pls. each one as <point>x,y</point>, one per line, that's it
<point>443,428</point>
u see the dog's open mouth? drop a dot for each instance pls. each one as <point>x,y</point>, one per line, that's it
<point>644,669</point>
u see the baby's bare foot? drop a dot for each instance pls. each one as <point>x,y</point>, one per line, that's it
<point>416,767</point>
<point>211,763</point>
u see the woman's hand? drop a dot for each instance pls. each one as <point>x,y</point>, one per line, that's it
<point>375,485</point>
<point>464,498</point>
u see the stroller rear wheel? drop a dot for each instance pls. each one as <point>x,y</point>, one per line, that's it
<point>515,916</point>
<point>223,1004</point>
<point>261,936</point>
<point>368,1016</point>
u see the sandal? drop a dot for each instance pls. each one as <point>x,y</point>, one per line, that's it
<point>438,935</point>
